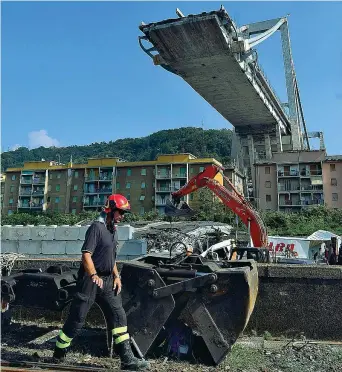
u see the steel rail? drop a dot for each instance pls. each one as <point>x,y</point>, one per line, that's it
<point>27,366</point>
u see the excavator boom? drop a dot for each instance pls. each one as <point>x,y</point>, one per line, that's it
<point>232,199</point>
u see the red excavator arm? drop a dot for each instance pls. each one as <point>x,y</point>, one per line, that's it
<point>232,199</point>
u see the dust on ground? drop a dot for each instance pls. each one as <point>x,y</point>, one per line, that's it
<point>31,342</point>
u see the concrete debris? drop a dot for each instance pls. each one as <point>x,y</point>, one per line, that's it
<point>200,235</point>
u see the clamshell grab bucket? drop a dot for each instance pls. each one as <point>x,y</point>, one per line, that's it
<point>216,302</point>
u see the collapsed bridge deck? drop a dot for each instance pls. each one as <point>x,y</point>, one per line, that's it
<point>205,51</point>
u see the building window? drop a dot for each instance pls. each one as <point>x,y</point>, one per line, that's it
<point>152,197</point>
<point>267,170</point>
<point>268,198</point>
<point>76,174</point>
<point>334,196</point>
<point>191,170</point>
<point>118,171</point>
<point>9,212</point>
<point>191,197</point>
<point>142,197</point>
<point>57,200</point>
<point>48,199</point>
<point>128,185</point>
<point>332,167</point>
<point>333,182</point>
<point>11,201</point>
<point>58,187</point>
<point>143,171</point>
<point>75,187</point>
<point>128,197</point>
<point>73,211</point>
<point>153,184</point>
<point>74,199</point>
<point>13,177</point>
<point>201,169</point>
<point>59,175</point>
<point>12,188</point>
<point>50,176</point>
<point>49,188</point>
<point>268,184</point>
<point>129,171</point>
<point>143,185</point>
<point>142,210</point>
<point>117,185</point>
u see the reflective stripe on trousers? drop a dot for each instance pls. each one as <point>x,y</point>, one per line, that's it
<point>63,340</point>
<point>120,334</point>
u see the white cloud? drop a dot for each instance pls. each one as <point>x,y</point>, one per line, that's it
<point>40,138</point>
<point>15,147</point>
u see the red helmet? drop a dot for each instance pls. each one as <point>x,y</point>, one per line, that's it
<point>117,201</point>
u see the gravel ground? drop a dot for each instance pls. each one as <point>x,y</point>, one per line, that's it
<point>28,341</point>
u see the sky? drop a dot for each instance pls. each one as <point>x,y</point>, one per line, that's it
<point>73,72</point>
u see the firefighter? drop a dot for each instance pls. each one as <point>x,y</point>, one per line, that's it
<point>98,276</point>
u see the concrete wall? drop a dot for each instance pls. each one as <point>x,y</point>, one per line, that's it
<point>299,298</point>
<point>62,241</point>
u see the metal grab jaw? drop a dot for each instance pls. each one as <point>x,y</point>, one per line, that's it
<point>181,209</point>
<point>214,299</point>
<point>50,290</point>
<point>216,302</point>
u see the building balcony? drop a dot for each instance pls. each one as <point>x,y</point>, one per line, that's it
<point>160,202</point>
<point>287,188</point>
<point>305,173</point>
<point>104,190</point>
<point>26,181</point>
<point>164,189</point>
<point>24,206</point>
<point>293,173</point>
<point>25,192</point>
<point>312,188</point>
<point>163,175</point>
<point>106,178</point>
<point>38,192</point>
<point>38,181</point>
<point>31,205</point>
<point>179,175</point>
<point>300,203</point>
<point>312,202</point>
<point>289,203</point>
<point>91,178</point>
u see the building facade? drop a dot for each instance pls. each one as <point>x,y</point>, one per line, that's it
<point>72,188</point>
<point>296,180</point>
<point>332,181</point>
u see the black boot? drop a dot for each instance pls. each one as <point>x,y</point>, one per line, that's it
<point>59,355</point>
<point>128,361</point>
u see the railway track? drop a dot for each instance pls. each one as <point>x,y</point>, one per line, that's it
<point>23,366</point>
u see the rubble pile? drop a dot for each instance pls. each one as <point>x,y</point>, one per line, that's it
<point>200,235</point>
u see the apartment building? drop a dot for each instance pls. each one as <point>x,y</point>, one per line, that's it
<point>2,183</point>
<point>72,188</point>
<point>295,180</point>
<point>332,181</point>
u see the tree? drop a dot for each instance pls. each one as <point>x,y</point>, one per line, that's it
<point>199,142</point>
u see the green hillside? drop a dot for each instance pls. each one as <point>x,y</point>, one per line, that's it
<point>201,143</point>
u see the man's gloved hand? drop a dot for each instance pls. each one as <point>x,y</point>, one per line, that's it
<point>117,285</point>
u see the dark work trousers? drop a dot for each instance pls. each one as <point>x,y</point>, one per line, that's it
<point>86,294</point>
